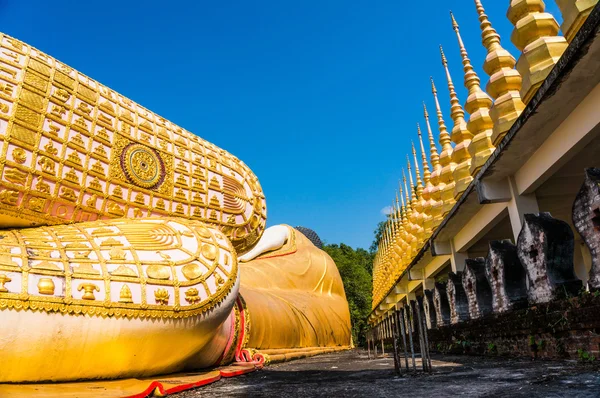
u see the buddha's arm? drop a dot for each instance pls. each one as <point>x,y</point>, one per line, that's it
<point>295,297</point>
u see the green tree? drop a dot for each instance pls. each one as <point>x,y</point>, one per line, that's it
<point>377,236</point>
<point>355,268</point>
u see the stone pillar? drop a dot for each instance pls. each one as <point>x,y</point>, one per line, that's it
<point>457,259</point>
<point>586,218</point>
<point>518,206</point>
<point>442,308</point>
<point>429,309</point>
<point>545,248</point>
<point>457,298</point>
<point>477,288</point>
<point>506,276</point>
<point>415,324</point>
<point>411,313</point>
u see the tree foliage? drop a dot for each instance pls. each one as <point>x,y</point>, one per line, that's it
<point>377,236</point>
<point>355,268</point>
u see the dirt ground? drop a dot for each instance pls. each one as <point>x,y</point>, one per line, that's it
<point>352,374</point>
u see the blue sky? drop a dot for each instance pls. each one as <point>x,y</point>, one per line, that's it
<point>319,98</point>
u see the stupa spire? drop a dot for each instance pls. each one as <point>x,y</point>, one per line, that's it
<point>444,136</point>
<point>424,163</point>
<point>401,230</point>
<point>433,189</point>
<point>460,133</point>
<point>419,186</point>
<point>396,207</point>
<point>434,157</point>
<point>478,105</point>
<point>422,203</point>
<point>428,203</point>
<point>413,191</point>
<point>410,237</point>
<point>406,194</point>
<point>402,210</point>
<point>536,35</point>
<point>446,184</point>
<point>505,81</point>
<point>391,216</point>
<point>398,211</point>
<point>385,241</point>
<point>416,217</point>
<point>397,251</point>
<point>393,235</point>
<point>471,78</point>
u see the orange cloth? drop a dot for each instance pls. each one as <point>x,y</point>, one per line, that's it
<point>295,298</point>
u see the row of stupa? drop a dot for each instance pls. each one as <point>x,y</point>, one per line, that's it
<point>421,205</point>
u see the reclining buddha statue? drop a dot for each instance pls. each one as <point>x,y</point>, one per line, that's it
<point>130,247</point>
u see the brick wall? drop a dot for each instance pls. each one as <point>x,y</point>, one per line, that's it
<point>568,328</point>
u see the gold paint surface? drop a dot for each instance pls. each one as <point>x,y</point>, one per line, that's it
<point>295,298</point>
<point>117,254</point>
<point>74,150</point>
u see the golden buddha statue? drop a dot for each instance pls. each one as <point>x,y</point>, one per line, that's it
<point>122,233</point>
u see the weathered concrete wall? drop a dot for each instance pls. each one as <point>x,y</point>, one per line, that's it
<point>521,300</point>
<point>477,288</point>
<point>442,308</point>
<point>586,218</point>
<point>506,276</point>
<point>568,328</point>
<point>545,248</point>
<point>429,309</point>
<point>457,298</point>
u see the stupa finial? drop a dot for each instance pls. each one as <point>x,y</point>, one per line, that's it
<point>398,205</point>
<point>433,190</point>
<point>434,157</point>
<point>489,36</point>
<point>401,192</point>
<point>445,197</point>
<point>505,81</point>
<point>426,171</point>
<point>393,219</point>
<point>419,186</point>
<point>480,125</point>
<point>407,193</point>
<point>460,135</point>
<point>445,141</point>
<point>471,78</point>
<point>413,191</point>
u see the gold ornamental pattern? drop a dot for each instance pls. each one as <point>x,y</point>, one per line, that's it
<point>155,267</point>
<point>62,141</point>
<point>143,166</point>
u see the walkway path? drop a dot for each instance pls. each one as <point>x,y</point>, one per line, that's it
<point>351,374</point>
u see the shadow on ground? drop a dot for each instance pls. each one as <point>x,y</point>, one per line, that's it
<point>352,374</point>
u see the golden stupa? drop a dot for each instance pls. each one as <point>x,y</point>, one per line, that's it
<point>518,145</point>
